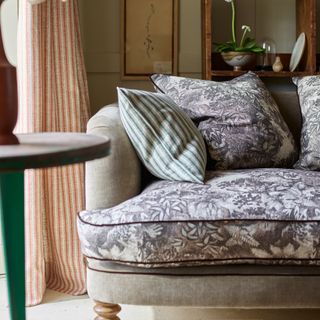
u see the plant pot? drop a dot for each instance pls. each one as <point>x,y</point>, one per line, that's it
<point>238,59</point>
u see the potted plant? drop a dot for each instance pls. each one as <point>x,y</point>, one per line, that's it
<point>238,54</point>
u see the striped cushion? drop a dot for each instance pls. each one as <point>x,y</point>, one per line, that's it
<point>166,140</point>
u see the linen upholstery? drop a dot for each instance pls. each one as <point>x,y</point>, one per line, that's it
<point>239,216</point>
<point>238,119</point>
<point>309,96</point>
<point>218,291</point>
<point>166,140</point>
<point>116,178</point>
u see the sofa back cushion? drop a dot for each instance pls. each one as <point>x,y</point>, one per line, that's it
<point>238,119</point>
<point>309,96</point>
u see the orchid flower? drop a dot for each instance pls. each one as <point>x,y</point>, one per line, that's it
<point>246,29</point>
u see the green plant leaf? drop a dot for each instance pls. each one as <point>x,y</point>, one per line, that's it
<point>225,47</point>
<point>257,50</point>
<point>249,43</point>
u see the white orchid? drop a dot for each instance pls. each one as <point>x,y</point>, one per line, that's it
<point>244,27</point>
<point>245,30</point>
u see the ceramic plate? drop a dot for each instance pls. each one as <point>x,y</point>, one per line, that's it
<point>297,51</point>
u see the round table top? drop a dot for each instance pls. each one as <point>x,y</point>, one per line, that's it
<point>50,149</point>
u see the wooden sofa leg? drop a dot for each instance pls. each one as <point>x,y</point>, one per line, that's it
<point>106,311</point>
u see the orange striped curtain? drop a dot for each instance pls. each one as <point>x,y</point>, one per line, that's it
<point>53,96</point>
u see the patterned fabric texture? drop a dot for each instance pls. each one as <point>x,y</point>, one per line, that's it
<point>238,119</point>
<point>309,97</point>
<point>267,216</point>
<point>166,140</point>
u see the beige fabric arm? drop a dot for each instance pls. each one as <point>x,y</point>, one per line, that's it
<point>116,178</point>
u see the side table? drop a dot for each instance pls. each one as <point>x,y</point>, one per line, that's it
<point>36,150</point>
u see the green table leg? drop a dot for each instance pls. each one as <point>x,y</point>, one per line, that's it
<point>12,213</point>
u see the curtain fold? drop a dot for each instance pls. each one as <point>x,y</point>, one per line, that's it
<point>53,96</point>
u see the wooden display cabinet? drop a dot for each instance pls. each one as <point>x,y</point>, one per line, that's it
<point>213,65</point>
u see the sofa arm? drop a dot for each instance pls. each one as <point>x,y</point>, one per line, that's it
<point>117,177</point>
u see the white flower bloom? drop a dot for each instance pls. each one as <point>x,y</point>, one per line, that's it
<point>244,27</point>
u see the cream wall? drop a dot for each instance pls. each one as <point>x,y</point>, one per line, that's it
<point>100,22</point>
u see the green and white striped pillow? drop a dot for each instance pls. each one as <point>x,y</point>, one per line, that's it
<point>165,138</point>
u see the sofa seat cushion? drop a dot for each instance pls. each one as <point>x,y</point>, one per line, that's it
<point>257,216</point>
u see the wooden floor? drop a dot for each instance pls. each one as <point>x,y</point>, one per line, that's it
<point>64,307</point>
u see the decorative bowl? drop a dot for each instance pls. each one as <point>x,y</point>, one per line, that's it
<point>238,59</point>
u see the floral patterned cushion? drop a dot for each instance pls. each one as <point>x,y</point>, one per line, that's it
<point>238,119</point>
<point>309,98</point>
<point>267,216</point>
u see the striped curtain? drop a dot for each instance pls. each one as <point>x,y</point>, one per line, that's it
<point>53,96</point>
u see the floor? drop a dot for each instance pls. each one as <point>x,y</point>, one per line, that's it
<point>65,307</point>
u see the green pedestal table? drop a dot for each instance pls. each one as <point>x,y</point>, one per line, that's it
<point>36,150</point>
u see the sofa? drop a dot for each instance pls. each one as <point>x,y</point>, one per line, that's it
<point>138,271</point>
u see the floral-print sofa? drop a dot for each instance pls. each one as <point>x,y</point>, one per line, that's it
<point>247,238</point>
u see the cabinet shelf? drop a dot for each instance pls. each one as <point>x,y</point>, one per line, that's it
<point>262,74</point>
<point>213,65</point>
